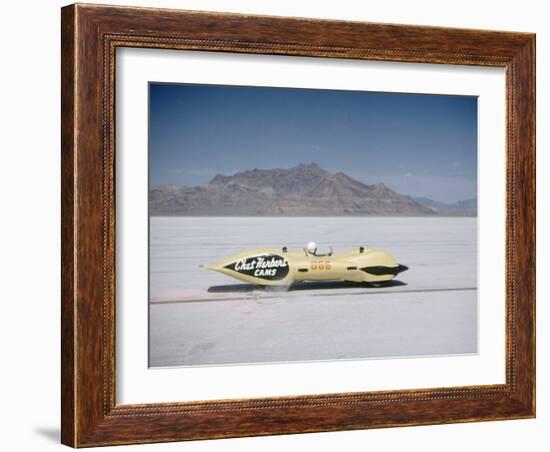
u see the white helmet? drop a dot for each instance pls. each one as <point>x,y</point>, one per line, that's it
<point>311,247</point>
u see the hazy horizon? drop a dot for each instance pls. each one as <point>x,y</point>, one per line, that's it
<point>418,145</point>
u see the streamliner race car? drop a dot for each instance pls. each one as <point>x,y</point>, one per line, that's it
<point>280,267</point>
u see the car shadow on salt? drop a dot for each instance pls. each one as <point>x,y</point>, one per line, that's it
<point>308,285</point>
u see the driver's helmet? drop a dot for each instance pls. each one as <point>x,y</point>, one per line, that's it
<point>311,247</point>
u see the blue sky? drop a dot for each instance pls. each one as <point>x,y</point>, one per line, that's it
<point>419,145</point>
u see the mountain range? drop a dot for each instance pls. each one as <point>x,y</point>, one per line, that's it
<point>466,208</point>
<point>304,190</point>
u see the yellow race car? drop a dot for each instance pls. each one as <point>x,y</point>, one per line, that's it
<point>280,267</point>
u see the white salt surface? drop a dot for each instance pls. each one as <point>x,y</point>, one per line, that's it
<point>201,317</point>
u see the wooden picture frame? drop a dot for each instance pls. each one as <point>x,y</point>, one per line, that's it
<point>90,36</point>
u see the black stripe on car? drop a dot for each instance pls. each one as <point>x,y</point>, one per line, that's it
<point>381,270</point>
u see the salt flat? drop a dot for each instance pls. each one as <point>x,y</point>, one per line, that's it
<point>201,317</point>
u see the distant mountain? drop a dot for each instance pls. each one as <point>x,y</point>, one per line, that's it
<point>466,208</point>
<point>304,190</point>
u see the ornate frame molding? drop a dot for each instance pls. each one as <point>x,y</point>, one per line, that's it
<point>90,36</point>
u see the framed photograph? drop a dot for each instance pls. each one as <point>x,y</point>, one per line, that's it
<point>281,225</point>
